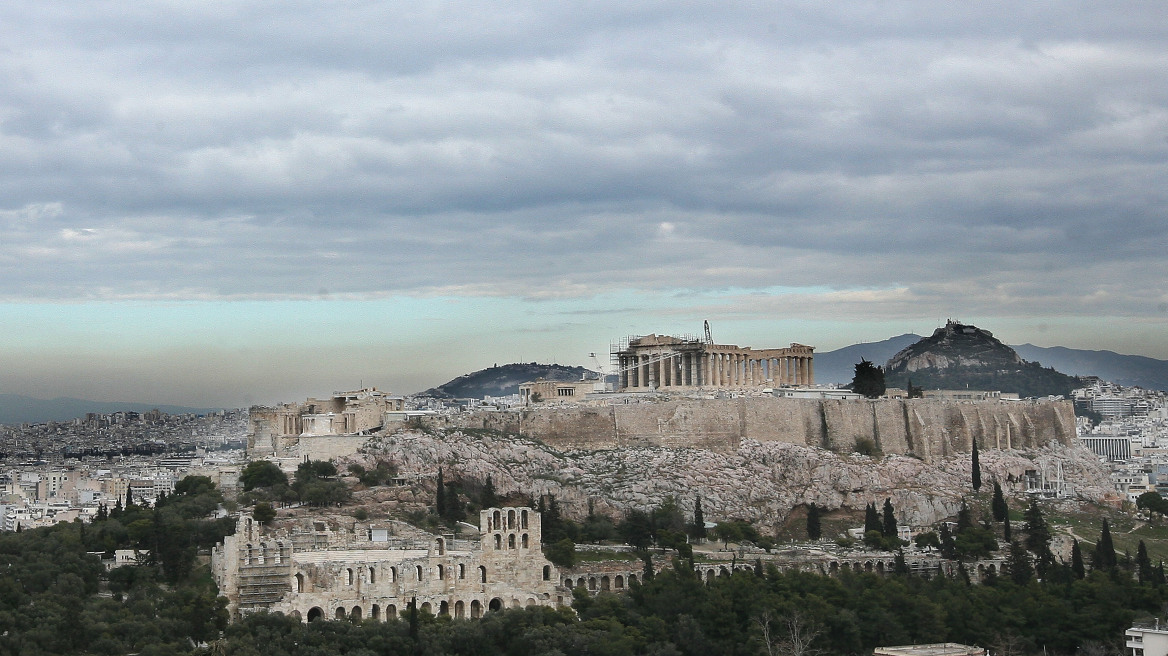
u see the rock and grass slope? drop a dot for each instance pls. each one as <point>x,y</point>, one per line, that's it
<point>759,482</point>
<point>504,380</point>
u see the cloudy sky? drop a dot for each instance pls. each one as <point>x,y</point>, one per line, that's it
<point>224,203</point>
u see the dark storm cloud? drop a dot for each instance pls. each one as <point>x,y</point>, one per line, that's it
<point>900,153</point>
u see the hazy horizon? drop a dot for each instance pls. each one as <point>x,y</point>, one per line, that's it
<point>228,204</point>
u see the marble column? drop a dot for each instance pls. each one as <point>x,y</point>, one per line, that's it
<point>811,370</point>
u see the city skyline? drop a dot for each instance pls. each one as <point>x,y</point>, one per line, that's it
<point>231,204</point>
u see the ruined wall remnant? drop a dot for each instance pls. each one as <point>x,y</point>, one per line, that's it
<point>926,428</point>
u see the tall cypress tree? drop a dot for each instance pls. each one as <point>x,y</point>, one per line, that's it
<point>1018,564</point>
<point>976,465</point>
<point>1037,532</point>
<point>488,498</point>
<point>1104,550</point>
<point>1144,564</point>
<point>948,546</point>
<point>814,531</point>
<point>698,530</point>
<point>999,507</point>
<point>872,519</point>
<point>1077,560</point>
<point>1006,531</point>
<point>889,526</point>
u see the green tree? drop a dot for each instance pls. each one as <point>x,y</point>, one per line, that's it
<point>1037,532</point>
<point>1144,564</point>
<point>975,463</point>
<point>872,519</point>
<point>488,498</point>
<point>868,379</point>
<point>888,527</point>
<point>263,512</point>
<point>1017,564</point>
<point>1104,550</point>
<point>562,553</point>
<point>261,473</point>
<point>998,506</point>
<point>814,530</point>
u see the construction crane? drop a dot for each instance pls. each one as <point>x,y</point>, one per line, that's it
<point>709,335</point>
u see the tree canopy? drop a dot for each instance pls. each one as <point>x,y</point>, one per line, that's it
<point>868,379</point>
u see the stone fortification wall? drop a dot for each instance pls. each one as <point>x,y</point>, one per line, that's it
<point>926,428</point>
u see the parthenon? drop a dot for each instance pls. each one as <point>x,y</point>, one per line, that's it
<point>662,361</point>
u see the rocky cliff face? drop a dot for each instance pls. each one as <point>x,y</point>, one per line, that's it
<point>759,481</point>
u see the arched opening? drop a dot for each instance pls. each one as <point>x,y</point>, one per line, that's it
<point>355,614</point>
<point>349,576</point>
<point>498,542</point>
<point>441,572</point>
<point>632,579</point>
<point>418,572</point>
<point>496,604</point>
<point>723,572</point>
<point>709,576</point>
<point>296,614</point>
<point>299,582</point>
<point>476,609</point>
<point>444,609</point>
<point>514,603</point>
<point>582,583</point>
<point>315,613</point>
<point>530,603</point>
<point>568,584</point>
<point>459,609</point>
<point>857,567</point>
<point>263,554</point>
<point>375,612</point>
<point>427,608</point>
<point>547,572</point>
<point>461,571</point>
<point>523,541</point>
<point>496,521</point>
<point>482,574</point>
<point>372,575</point>
<point>604,583</point>
<point>391,612</point>
<point>511,541</point>
<point>834,567</point>
<point>392,574</point>
<point>592,583</point>
<point>880,567</point>
<point>523,520</point>
<point>868,566</point>
<point>618,582</point>
<point>441,546</point>
<point>510,519</point>
<point>340,614</point>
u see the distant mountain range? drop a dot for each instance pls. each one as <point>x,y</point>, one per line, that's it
<point>1131,370</point>
<point>17,409</point>
<point>504,380</point>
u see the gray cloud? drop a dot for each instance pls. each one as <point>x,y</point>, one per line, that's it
<point>903,155</point>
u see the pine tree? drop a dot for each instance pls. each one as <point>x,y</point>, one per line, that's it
<point>976,465</point>
<point>889,526</point>
<point>1077,560</point>
<point>814,530</point>
<point>440,497</point>
<point>1018,564</point>
<point>698,530</point>
<point>1000,509</point>
<point>1144,564</point>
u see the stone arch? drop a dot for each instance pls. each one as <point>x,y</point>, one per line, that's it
<point>857,567</point>
<point>476,609</point>
<point>833,568</point>
<point>568,584</point>
<point>868,566</point>
<point>375,612</point>
<point>315,613</point>
<point>355,614</point>
<point>296,614</point>
<point>427,608</point>
<point>514,603</point>
<point>880,567</point>
<point>340,614</point>
<point>441,546</point>
<point>443,608</point>
<point>441,572</point>
<point>460,609</point>
<point>461,571</point>
<point>349,576</point>
<point>299,582</point>
<point>618,582</point>
<point>510,520</point>
<point>604,583</point>
<point>632,579</point>
<point>709,576</point>
<point>418,572</point>
<point>511,541</point>
<point>547,572</point>
<point>530,602</point>
<point>372,574</point>
<point>523,519</point>
<point>581,583</point>
<point>722,571</point>
<point>390,612</point>
<point>592,583</point>
<point>498,542</point>
<point>523,541</point>
<point>496,604</point>
<point>482,573</point>
<point>497,521</point>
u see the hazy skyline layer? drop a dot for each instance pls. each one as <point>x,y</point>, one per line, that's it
<point>246,202</point>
